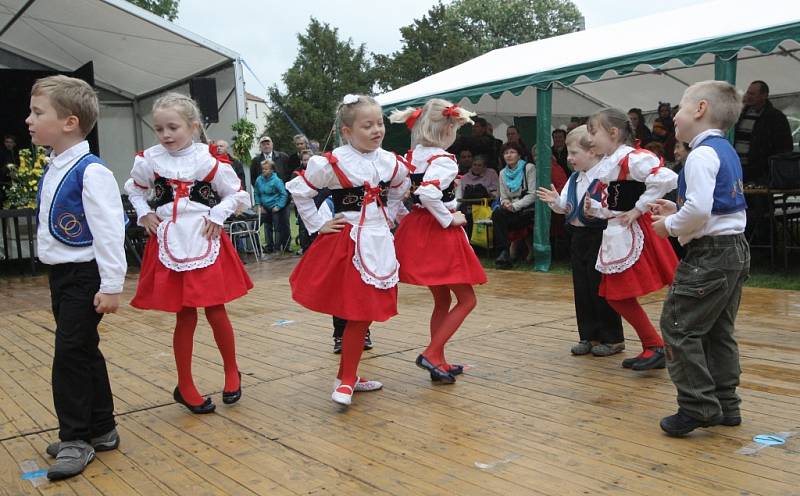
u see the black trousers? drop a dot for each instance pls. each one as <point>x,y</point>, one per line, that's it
<point>597,321</point>
<point>504,221</point>
<point>81,390</point>
<point>276,225</point>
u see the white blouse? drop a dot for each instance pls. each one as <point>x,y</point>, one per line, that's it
<point>374,255</point>
<point>442,170</point>
<point>622,245</point>
<point>181,243</point>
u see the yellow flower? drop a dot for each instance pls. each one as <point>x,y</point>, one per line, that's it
<point>32,182</point>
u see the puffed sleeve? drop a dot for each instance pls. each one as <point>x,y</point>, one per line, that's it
<point>227,184</point>
<point>397,190</point>
<point>139,185</point>
<point>646,167</point>
<point>438,176</point>
<point>304,188</point>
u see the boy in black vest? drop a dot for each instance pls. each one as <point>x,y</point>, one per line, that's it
<point>81,233</point>
<point>698,317</point>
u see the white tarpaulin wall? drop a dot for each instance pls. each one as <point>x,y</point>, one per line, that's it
<point>136,57</point>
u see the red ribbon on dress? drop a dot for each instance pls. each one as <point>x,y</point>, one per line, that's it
<point>452,111</point>
<point>181,191</point>
<point>413,119</point>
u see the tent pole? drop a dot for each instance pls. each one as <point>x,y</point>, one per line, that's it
<point>137,125</point>
<point>725,70</point>
<point>541,226</point>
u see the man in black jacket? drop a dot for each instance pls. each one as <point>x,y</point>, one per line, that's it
<point>280,159</point>
<point>762,131</point>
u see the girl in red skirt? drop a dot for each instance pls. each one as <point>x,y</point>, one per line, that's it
<point>432,247</point>
<point>350,270</point>
<point>189,261</point>
<point>632,259</point>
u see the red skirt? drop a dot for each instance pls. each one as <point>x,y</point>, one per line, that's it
<point>430,255</point>
<point>326,281</point>
<point>654,269</point>
<point>164,289</point>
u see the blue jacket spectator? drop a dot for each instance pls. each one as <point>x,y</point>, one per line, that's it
<point>270,192</point>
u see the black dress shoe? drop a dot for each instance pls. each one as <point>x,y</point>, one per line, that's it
<point>657,360</point>
<point>456,369</point>
<point>503,261</point>
<point>208,406</point>
<point>681,424</point>
<point>437,374</point>
<point>231,398</point>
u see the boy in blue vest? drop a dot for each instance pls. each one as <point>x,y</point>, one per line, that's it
<point>698,317</point>
<point>599,326</point>
<point>80,233</point>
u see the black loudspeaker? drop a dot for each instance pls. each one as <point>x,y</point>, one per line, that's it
<point>204,92</point>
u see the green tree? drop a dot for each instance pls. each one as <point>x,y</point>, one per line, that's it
<point>326,69</point>
<point>168,9</point>
<point>454,33</point>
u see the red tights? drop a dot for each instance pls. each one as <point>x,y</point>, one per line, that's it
<point>446,321</point>
<point>352,346</point>
<point>183,342</point>
<point>630,310</point>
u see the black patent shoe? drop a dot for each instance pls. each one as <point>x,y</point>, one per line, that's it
<point>456,369</point>
<point>231,398</point>
<point>437,374</point>
<point>208,406</point>
<point>657,360</point>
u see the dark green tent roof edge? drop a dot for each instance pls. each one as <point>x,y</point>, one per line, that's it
<point>763,40</point>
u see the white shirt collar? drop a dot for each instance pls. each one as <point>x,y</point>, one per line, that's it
<point>69,155</point>
<point>705,134</point>
<point>371,156</point>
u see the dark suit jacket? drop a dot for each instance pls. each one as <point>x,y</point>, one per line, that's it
<point>281,166</point>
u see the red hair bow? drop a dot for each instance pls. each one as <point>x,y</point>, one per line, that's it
<point>222,157</point>
<point>413,118</point>
<point>451,111</point>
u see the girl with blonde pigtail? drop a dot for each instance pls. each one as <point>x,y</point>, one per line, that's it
<point>432,247</point>
<point>350,270</point>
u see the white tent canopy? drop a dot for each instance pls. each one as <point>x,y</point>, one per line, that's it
<point>635,63</point>
<point>136,56</point>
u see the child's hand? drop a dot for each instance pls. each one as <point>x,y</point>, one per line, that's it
<point>458,219</point>
<point>587,206</point>
<point>150,223</point>
<point>630,216</point>
<point>548,195</point>
<point>334,225</point>
<point>106,303</point>
<point>507,205</point>
<point>211,230</point>
<point>276,209</point>
<point>662,207</point>
<point>660,226</point>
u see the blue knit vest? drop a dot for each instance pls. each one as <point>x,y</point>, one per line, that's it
<point>67,220</point>
<point>575,207</point>
<point>729,187</point>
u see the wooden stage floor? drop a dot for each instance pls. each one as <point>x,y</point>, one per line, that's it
<point>527,418</point>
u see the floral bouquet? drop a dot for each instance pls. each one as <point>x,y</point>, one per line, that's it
<point>25,178</point>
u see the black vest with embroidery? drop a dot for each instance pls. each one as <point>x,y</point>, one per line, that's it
<point>351,199</point>
<point>199,191</point>
<point>448,194</point>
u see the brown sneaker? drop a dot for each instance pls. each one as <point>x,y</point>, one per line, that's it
<point>607,349</point>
